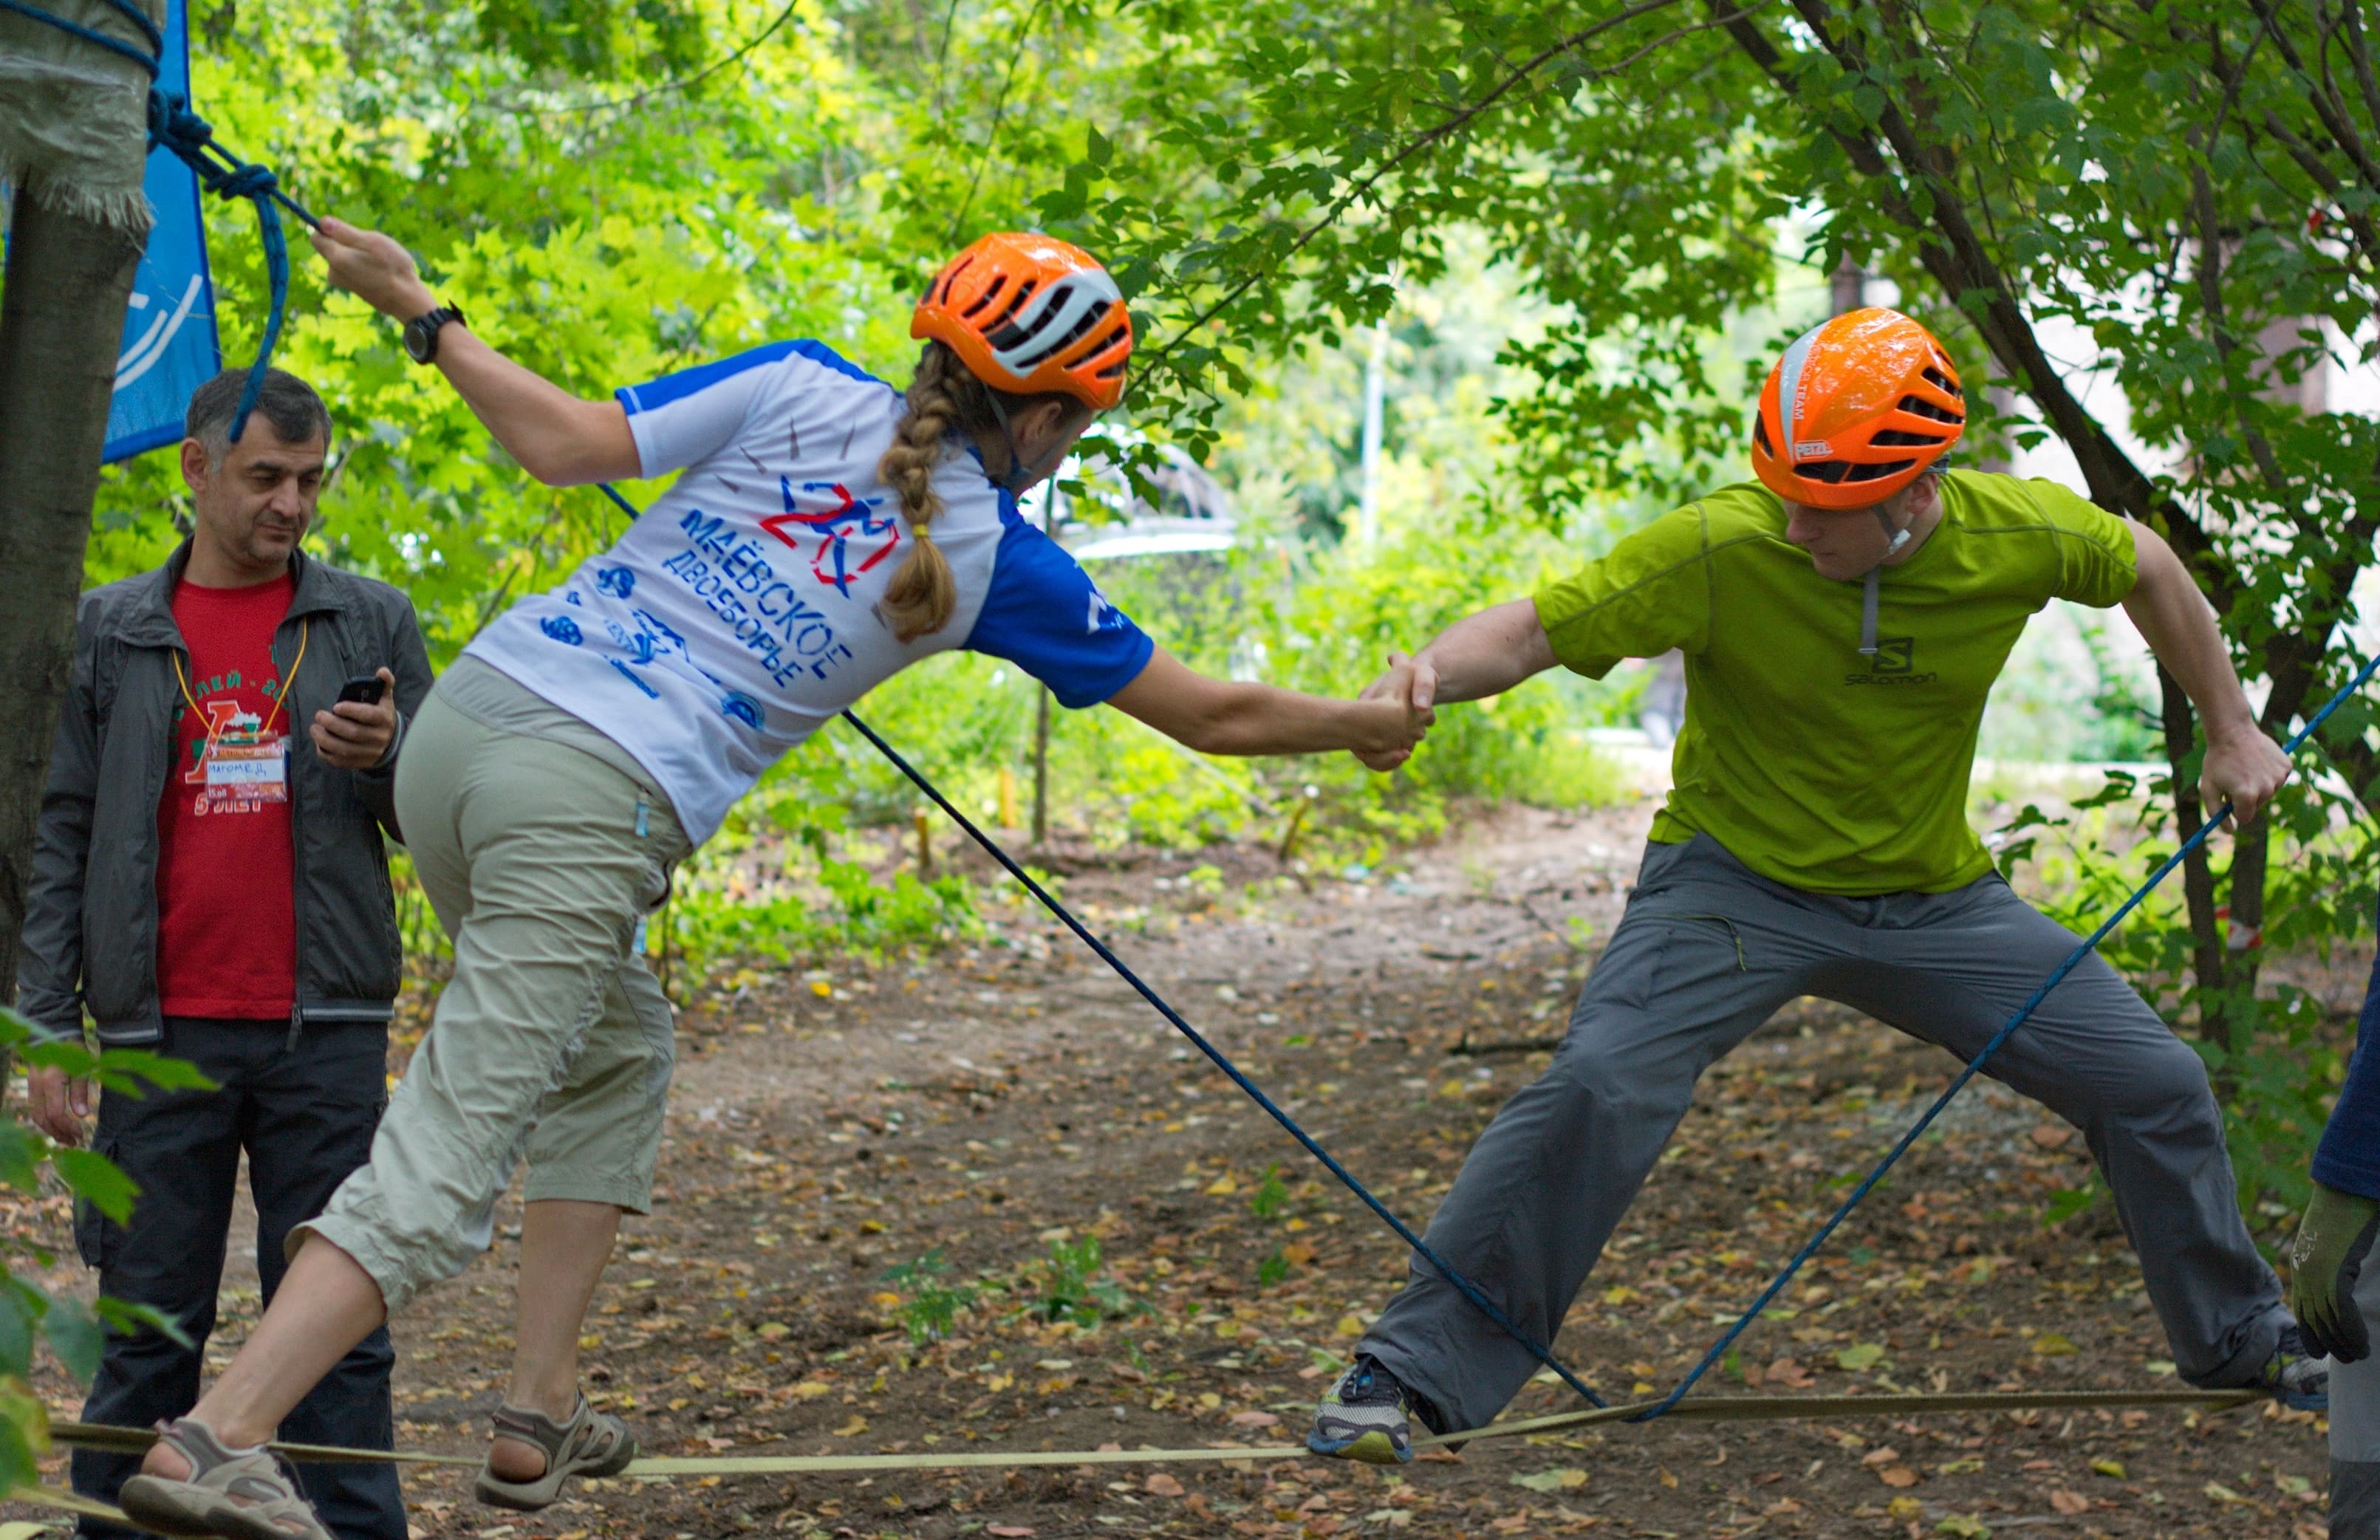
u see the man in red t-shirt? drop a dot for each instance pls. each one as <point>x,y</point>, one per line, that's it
<point>211,881</point>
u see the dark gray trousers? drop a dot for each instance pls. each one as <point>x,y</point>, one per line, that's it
<point>2355,1428</point>
<point>1709,950</point>
<point>305,1114</point>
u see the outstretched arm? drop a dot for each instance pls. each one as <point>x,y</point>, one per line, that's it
<point>557,437</point>
<point>2243,767</point>
<point>1481,655</point>
<point>1223,716</point>
<point>1477,656</point>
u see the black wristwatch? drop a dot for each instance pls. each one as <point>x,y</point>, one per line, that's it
<point>421,332</point>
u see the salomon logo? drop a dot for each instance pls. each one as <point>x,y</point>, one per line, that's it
<point>1895,662</point>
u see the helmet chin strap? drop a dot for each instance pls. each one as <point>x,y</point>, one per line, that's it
<point>1899,537</point>
<point>1014,480</point>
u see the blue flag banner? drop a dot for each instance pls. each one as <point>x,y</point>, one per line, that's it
<point>170,347</point>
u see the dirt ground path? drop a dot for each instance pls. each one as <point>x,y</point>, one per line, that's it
<point>996,1105</point>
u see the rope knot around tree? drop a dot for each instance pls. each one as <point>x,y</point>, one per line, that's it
<point>191,140</point>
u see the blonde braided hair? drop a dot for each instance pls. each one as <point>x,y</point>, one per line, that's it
<point>944,398</point>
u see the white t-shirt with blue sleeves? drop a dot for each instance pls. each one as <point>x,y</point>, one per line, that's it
<point>738,612</point>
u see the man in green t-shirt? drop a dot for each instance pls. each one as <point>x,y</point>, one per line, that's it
<point>1842,621</point>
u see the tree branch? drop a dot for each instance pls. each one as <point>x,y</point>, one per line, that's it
<point>1439,132</point>
<point>2359,53</point>
<point>2334,119</point>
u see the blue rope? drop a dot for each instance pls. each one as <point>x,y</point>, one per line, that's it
<point>139,18</point>
<point>115,45</point>
<point>191,140</point>
<point>2000,1038</point>
<point>1222,1061</point>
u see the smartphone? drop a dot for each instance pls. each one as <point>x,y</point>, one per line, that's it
<point>365,688</point>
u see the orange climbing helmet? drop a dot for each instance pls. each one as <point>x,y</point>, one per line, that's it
<point>1029,313</point>
<point>1855,410</point>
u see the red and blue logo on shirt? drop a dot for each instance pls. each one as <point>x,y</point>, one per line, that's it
<point>836,526</point>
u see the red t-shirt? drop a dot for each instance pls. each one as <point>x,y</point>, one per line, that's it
<point>226,913</point>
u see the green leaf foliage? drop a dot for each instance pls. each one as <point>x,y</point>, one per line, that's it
<point>96,1179</point>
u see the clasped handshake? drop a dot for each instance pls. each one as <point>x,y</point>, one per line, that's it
<point>1411,685</point>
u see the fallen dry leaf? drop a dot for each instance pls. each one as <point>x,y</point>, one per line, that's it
<point>1254,1419</point>
<point>1162,1486</point>
<point>1897,1476</point>
<point>1790,1375</point>
<point>2068,1503</point>
<point>2051,1136</point>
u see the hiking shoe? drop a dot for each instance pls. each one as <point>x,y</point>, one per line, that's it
<point>2297,1378</point>
<point>229,1494</point>
<point>1368,1415</point>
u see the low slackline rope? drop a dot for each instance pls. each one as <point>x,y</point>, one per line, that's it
<point>1124,970</point>
<point>2073,960</point>
<point>192,140</point>
<point>1721,1409</point>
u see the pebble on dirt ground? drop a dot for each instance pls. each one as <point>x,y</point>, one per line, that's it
<point>949,1141</point>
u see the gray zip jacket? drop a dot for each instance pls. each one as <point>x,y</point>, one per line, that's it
<point>91,927</point>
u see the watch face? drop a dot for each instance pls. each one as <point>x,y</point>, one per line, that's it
<point>418,341</point>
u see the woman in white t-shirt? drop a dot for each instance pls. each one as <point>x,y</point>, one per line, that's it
<point>825,531</point>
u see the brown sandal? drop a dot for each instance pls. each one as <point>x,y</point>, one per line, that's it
<point>591,1444</point>
<point>231,1494</point>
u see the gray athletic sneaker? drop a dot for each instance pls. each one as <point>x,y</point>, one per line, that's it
<point>227,1496</point>
<point>1369,1415</point>
<point>2298,1379</point>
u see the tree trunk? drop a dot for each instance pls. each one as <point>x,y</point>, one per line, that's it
<point>61,321</point>
<point>2209,961</point>
<point>1041,768</point>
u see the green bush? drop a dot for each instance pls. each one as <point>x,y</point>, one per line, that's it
<point>28,1311</point>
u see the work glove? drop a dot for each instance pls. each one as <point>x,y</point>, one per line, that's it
<point>2332,1241</point>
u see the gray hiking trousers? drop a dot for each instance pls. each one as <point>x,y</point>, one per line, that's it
<point>2355,1426</point>
<point>1709,950</point>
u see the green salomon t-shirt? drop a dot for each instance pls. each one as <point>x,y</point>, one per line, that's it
<point>1813,765</point>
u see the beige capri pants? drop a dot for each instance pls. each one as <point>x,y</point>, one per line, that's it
<point>551,1041</point>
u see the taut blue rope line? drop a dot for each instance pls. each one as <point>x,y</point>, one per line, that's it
<point>192,140</point>
<point>1222,1061</point>
<point>2073,960</point>
<point>1256,1093</point>
<point>91,34</point>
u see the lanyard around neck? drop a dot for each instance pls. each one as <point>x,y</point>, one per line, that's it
<point>278,700</point>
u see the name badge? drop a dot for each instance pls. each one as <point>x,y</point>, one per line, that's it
<point>244,775</point>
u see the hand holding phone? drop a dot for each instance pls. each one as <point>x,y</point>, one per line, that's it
<point>355,733</point>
